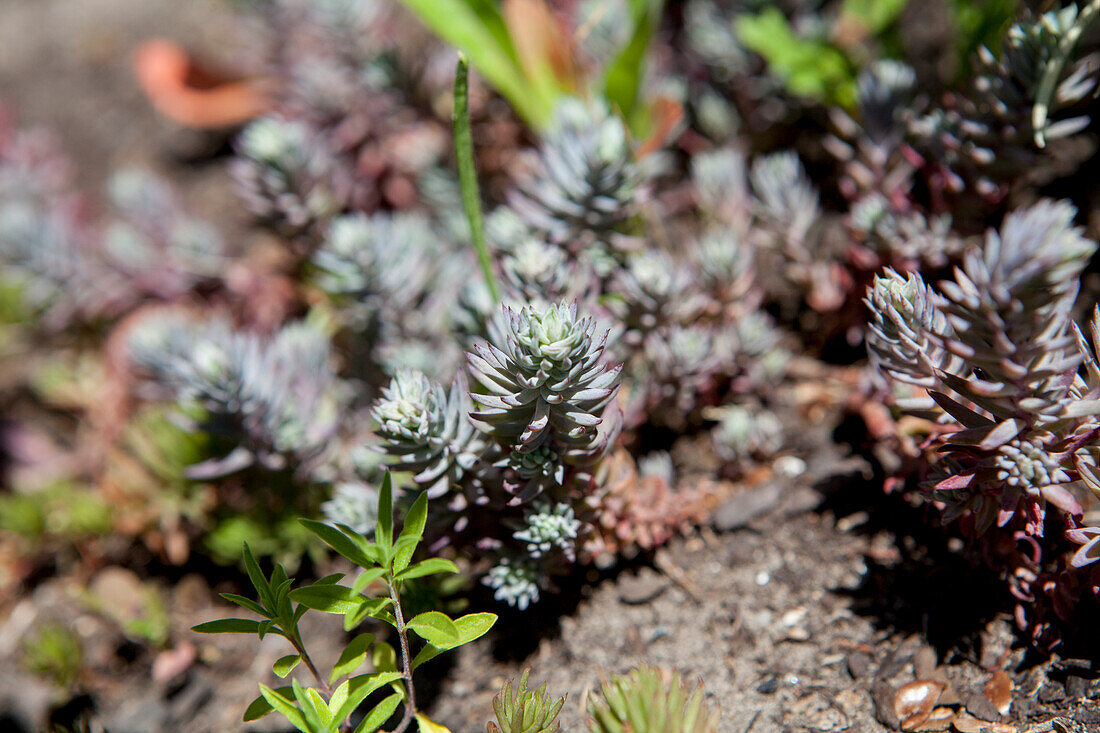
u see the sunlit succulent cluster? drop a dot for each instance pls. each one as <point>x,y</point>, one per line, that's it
<point>650,700</point>
<point>658,241</point>
<point>585,183</point>
<point>518,453</point>
<point>998,353</point>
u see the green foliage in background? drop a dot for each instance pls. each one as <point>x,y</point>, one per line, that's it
<point>824,64</point>
<point>53,652</point>
<point>534,80</point>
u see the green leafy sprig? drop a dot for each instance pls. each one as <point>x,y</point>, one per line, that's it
<point>387,561</point>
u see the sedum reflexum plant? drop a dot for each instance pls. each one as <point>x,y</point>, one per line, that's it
<point>386,563</point>
<point>645,700</point>
<point>273,400</point>
<point>998,355</point>
<point>519,710</point>
<point>514,462</point>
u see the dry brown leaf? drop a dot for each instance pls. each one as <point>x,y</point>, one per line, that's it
<point>914,703</point>
<point>667,115</point>
<point>939,719</point>
<point>999,691</point>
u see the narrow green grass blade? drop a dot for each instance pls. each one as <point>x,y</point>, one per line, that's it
<point>467,174</point>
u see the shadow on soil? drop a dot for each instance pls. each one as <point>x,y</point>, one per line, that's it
<point>928,586</point>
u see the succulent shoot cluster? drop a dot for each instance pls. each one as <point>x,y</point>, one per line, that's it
<point>274,400</point>
<point>649,700</point>
<point>513,459</point>
<point>999,357</point>
<point>69,269</point>
<point>585,183</point>
<point>1032,92</point>
<point>347,132</point>
<point>643,700</point>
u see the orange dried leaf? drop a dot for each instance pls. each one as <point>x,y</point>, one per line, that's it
<point>541,42</point>
<point>191,96</point>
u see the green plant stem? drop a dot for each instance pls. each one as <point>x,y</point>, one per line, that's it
<point>1044,97</point>
<point>467,174</point>
<point>299,647</point>
<point>406,662</point>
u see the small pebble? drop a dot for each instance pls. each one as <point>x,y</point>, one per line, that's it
<point>789,466</point>
<point>762,578</point>
<point>859,665</point>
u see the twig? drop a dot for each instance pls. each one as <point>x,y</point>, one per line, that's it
<point>410,703</point>
<point>674,573</point>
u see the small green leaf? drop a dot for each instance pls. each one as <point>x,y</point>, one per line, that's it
<point>328,598</point>
<point>426,654</point>
<point>366,578</point>
<point>379,715</point>
<point>411,533</point>
<point>384,657</point>
<point>431,566</point>
<point>373,608</point>
<point>338,541</point>
<point>285,706</point>
<point>228,626</point>
<point>285,665</point>
<point>470,627</point>
<point>320,707</point>
<point>474,626</point>
<point>265,627</point>
<point>263,589</point>
<point>260,707</point>
<point>339,697</point>
<point>354,654</point>
<point>251,605</point>
<point>360,687</point>
<point>383,531</point>
<point>435,628</point>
